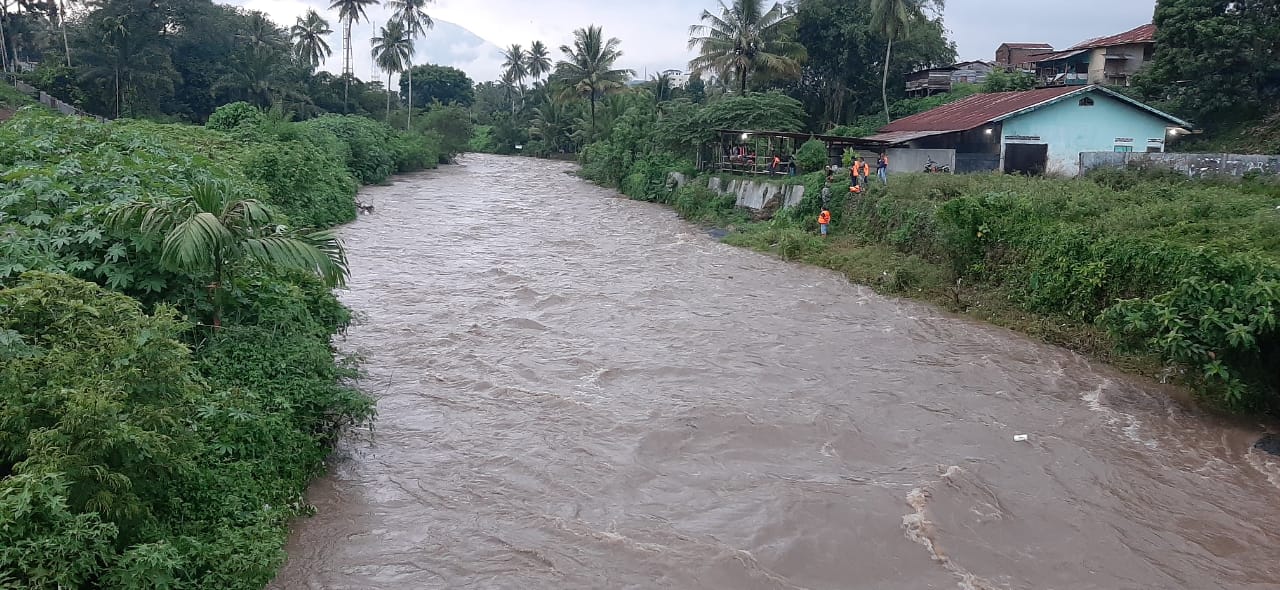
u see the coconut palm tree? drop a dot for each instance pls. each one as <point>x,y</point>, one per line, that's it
<point>392,50</point>
<point>349,13</point>
<point>210,231</point>
<point>309,44</point>
<point>661,86</point>
<point>746,37</point>
<point>537,61</point>
<point>515,62</point>
<point>416,21</point>
<point>588,66</point>
<point>891,18</point>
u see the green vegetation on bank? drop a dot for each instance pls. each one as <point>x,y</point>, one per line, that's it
<point>140,445</point>
<point>1125,265</point>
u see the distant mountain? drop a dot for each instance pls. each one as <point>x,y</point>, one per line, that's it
<point>452,45</point>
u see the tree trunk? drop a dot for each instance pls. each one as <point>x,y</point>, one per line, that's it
<point>4,47</point>
<point>593,114</point>
<point>408,121</point>
<point>884,84</point>
<point>118,97</point>
<point>62,21</point>
<point>742,82</point>
<point>388,97</point>
<point>346,67</point>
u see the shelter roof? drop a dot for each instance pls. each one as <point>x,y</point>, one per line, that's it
<point>1027,45</point>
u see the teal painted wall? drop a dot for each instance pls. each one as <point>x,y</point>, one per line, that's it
<point>1069,129</point>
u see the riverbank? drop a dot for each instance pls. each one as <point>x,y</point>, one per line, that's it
<point>166,316</point>
<point>1175,279</point>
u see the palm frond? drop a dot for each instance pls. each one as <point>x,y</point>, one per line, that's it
<point>319,253</point>
<point>193,242</point>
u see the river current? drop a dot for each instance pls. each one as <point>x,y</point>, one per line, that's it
<point>576,391</point>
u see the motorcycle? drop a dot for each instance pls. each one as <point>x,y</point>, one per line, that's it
<point>932,167</point>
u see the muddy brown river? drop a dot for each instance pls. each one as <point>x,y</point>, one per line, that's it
<point>577,391</point>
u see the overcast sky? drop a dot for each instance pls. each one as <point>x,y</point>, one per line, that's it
<point>654,33</point>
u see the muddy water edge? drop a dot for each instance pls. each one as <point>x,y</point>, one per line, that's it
<point>579,391</point>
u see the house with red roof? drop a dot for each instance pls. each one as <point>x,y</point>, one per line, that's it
<point>1029,132</point>
<point>1110,60</point>
<point>1019,55</point>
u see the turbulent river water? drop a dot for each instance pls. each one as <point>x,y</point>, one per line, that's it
<point>577,391</point>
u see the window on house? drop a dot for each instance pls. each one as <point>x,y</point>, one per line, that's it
<point>1086,102</point>
<point>1154,149</point>
<point>1124,148</point>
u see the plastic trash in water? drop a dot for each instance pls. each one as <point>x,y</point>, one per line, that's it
<point>1020,438</point>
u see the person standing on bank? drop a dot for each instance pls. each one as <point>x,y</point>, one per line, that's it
<point>824,218</point>
<point>882,169</point>
<point>826,192</point>
<point>863,169</point>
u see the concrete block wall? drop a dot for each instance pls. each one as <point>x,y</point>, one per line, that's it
<point>1193,165</point>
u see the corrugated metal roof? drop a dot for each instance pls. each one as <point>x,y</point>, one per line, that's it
<point>1143,34</point>
<point>1028,46</point>
<point>1055,56</point>
<point>976,110</point>
<point>980,109</point>
<point>894,137</point>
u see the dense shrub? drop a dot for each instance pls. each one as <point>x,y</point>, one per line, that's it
<point>370,150</point>
<point>233,115</point>
<point>812,156</point>
<point>453,124</point>
<point>137,449</point>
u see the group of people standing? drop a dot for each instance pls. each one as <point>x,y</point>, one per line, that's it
<point>859,172</point>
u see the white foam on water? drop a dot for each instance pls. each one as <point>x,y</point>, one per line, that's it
<point>1126,424</point>
<point>1265,464</point>
<point>918,528</point>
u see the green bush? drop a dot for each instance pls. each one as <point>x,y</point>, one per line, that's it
<point>233,115</point>
<point>812,156</point>
<point>307,181</point>
<point>371,152</point>
<point>453,126</point>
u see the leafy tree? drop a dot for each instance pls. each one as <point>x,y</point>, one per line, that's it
<point>695,89</point>
<point>846,57</point>
<point>212,230</point>
<point>1214,59</point>
<point>453,123</point>
<point>443,84</point>
<point>392,50</point>
<point>1002,80</point>
<point>892,19</point>
<point>309,44</point>
<point>746,38</point>
<point>588,66</point>
<point>537,60</point>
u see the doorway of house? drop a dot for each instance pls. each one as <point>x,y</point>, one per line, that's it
<point>1026,158</point>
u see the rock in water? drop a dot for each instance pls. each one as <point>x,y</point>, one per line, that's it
<point>1269,443</point>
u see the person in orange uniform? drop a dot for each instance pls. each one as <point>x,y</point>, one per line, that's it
<point>824,219</point>
<point>862,170</point>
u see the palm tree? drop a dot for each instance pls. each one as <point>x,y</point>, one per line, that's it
<point>207,232</point>
<point>661,86</point>
<point>891,18</point>
<point>309,44</point>
<point>392,51</point>
<point>515,62</point>
<point>416,21</point>
<point>589,66</point>
<point>537,61</point>
<point>507,82</point>
<point>745,38</point>
<point>349,13</point>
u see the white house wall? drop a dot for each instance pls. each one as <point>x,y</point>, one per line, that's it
<point>1070,129</point>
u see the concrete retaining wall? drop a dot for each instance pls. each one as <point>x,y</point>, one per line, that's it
<point>754,194</point>
<point>52,102</point>
<point>1193,165</point>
